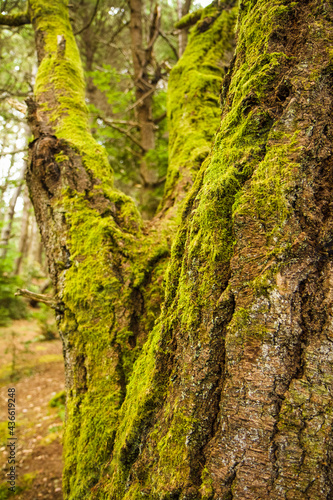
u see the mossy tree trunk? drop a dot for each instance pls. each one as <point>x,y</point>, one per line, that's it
<point>231,395</point>
<point>106,265</point>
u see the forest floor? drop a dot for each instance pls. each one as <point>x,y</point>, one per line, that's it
<point>34,367</point>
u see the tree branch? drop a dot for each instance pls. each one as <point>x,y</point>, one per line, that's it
<point>188,20</point>
<point>91,20</point>
<point>173,48</point>
<point>39,297</point>
<point>160,118</point>
<point>16,151</point>
<point>139,101</point>
<point>15,19</point>
<point>122,131</point>
<point>19,106</point>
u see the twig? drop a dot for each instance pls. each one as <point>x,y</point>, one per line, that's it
<point>19,106</point>
<point>139,101</point>
<point>38,297</point>
<point>160,118</point>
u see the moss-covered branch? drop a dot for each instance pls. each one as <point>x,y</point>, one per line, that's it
<point>189,20</point>
<point>19,19</point>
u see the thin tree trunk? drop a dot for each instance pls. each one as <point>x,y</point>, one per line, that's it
<point>183,8</point>
<point>6,230</point>
<point>144,89</point>
<point>5,185</point>
<point>34,252</point>
<point>24,232</point>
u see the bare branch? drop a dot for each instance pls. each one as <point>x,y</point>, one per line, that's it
<point>122,122</point>
<point>173,48</point>
<point>39,297</point>
<point>154,28</point>
<point>91,20</point>
<point>122,131</point>
<point>15,152</point>
<point>160,118</point>
<point>19,106</point>
<point>139,101</point>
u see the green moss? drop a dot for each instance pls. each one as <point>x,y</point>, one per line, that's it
<point>108,263</point>
<point>61,157</point>
<point>50,358</point>
<point>206,489</point>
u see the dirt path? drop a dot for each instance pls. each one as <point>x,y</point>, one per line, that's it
<point>35,369</point>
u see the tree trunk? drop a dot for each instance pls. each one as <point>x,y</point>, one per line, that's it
<point>143,88</point>
<point>231,396</point>
<point>237,375</point>
<point>24,232</point>
<point>34,248</point>
<point>4,186</point>
<point>7,228</point>
<point>107,268</point>
<point>183,9</point>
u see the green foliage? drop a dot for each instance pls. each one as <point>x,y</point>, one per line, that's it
<point>24,484</point>
<point>112,83</point>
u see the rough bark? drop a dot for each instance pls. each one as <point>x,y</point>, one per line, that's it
<point>231,396</point>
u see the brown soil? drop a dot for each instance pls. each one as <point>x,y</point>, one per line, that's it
<point>35,369</point>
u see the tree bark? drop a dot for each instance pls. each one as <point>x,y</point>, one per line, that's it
<point>232,397</point>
